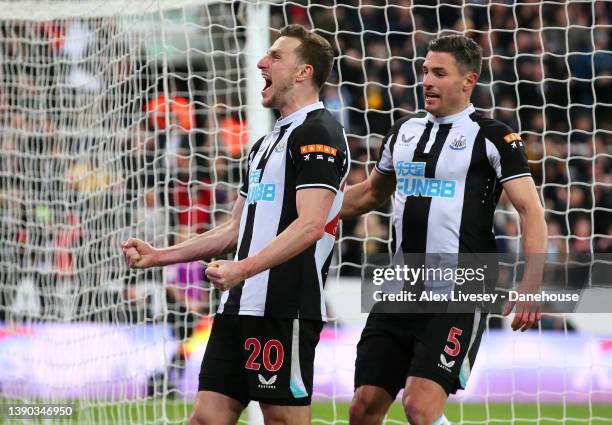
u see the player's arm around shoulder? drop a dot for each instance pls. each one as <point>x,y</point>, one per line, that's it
<point>380,184</point>
<point>368,195</point>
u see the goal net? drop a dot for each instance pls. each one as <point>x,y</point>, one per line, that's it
<point>132,119</point>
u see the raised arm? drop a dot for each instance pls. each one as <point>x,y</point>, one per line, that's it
<point>376,189</point>
<point>218,241</point>
<point>367,195</point>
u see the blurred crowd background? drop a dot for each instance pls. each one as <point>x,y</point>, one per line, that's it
<point>88,157</point>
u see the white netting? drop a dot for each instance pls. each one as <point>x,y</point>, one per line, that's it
<point>130,119</point>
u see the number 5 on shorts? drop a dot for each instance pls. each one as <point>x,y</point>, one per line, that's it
<point>452,339</point>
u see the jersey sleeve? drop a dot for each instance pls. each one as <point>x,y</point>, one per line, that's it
<point>384,165</point>
<point>319,155</point>
<point>506,153</point>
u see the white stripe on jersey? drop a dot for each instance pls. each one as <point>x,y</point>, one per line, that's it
<point>445,215</point>
<point>515,177</point>
<point>387,164</point>
<point>494,157</point>
<point>466,366</point>
<point>255,289</point>
<point>296,383</point>
<point>322,251</point>
<point>305,186</point>
<point>325,245</point>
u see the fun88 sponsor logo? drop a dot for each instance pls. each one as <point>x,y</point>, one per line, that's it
<point>259,191</point>
<point>411,181</point>
<point>254,176</point>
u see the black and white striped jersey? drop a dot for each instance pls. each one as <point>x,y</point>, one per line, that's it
<point>448,173</point>
<point>307,149</point>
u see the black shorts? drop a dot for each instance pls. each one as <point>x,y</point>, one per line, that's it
<point>269,360</point>
<point>439,347</point>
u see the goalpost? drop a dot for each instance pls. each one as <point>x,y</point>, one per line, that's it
<point>124,119</point>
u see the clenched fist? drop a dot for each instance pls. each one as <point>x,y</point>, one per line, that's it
<point>139,254</point>
<point>224,275</point>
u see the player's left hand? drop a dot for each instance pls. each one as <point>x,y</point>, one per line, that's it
<point>526,314</point>
<point>224,275</point>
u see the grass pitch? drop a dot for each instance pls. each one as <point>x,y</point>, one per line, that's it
<point>177,412</point>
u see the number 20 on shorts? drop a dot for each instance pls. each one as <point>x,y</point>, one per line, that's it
<point>272,345</point>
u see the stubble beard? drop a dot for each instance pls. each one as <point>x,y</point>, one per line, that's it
<point>282,92</point>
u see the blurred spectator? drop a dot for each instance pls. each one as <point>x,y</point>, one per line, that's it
<point>337,99</point>
<point>234,134</point>
<point>187,298</point>
<point>556,241</point>
<point>581,231</point>
<point>179,110</point>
